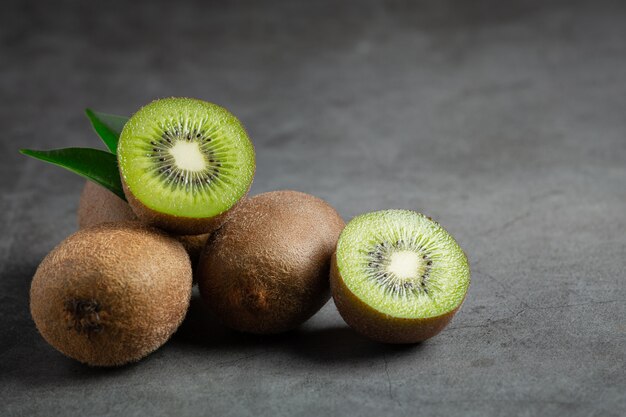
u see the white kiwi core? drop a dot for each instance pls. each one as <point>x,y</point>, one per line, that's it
<point>406,265</point>
<point>188,156</point>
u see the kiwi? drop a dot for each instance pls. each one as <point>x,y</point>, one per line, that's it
<point>398,276</point>
<point>193,244</point>
<point>266,270</point>
<point>99,205</point>
<point>184,163</point>
<point>111,294</point>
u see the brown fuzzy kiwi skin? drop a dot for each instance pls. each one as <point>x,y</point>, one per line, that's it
<point>193,244</point>
<point>99,205</point>
<point>112,293</point>
<point>176,224</point>
<point>379,326</point>
<point>266,270</point>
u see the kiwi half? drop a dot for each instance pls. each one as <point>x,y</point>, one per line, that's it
<point>397,276</point>
<point>266,270</point>
<point>184,163</point>
<point>99,205</point>
<point>112,293</point>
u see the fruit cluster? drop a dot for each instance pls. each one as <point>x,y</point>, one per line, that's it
<point>168,206</point>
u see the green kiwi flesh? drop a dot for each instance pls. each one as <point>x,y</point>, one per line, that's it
<point>266,270</point>
<point>183,163</point>
<point>398,275</point>
<point>112,293</point>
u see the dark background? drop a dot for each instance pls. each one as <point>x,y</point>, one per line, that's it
<point>504,120</point>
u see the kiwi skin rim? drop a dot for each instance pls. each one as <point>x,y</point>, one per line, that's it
<point>177,224</point>
<point>376,325</point>
<point>98,205</point>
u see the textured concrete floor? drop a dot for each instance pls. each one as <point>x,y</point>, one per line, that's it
<point>506,121</point>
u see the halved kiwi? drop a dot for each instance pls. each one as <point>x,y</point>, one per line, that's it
<point>398,276</point>
<point>112,293</point>
<point>184,163</point>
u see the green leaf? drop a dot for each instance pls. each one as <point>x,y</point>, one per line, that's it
<point>108,127</point>
<point>95,165</point>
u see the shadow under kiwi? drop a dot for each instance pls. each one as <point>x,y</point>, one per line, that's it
<point>336,343</point>
<point>339,344</point>
<point>202,328</point>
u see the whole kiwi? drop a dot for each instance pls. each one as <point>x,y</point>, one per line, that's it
<point>266,270</point>
<point>112,293</point>
<point>99,205</point>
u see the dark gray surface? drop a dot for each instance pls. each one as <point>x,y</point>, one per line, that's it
<point>506,121</point>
